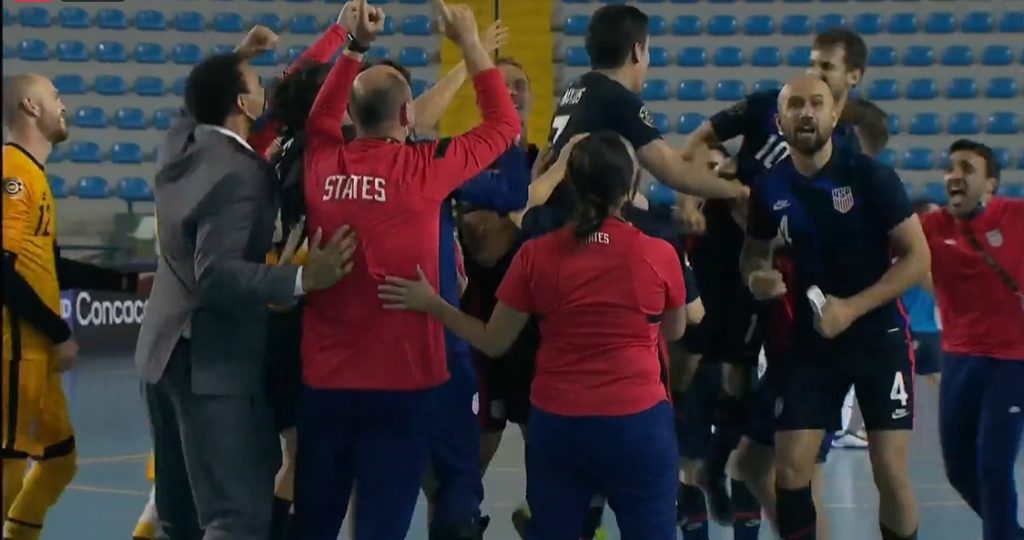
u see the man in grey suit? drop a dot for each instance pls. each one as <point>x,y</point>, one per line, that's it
<point>201,347</point>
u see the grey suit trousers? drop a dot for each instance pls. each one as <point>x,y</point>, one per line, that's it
<point>216,456</point>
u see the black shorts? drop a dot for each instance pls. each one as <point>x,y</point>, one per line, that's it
<point>761,405</point>
<point>927,353</point>
<point>505,382</point>
<point>695,411</point>
<point>816,385</point>
<point>284,366</point>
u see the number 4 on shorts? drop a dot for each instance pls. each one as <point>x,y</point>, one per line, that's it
<point>899,390</point>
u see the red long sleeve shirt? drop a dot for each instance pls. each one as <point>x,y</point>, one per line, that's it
<point>390,193</point>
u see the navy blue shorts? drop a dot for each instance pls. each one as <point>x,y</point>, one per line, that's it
<point>762,408</point>
<point>695,411</point>
<point>927,352</point>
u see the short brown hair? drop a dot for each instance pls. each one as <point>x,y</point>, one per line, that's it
<point>871,122</point>
<point>855,51</point>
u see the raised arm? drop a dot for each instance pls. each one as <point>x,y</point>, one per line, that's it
<point>757,255</point>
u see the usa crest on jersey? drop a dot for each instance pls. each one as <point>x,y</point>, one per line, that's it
<point>994,237</point>
<point>842,199</point>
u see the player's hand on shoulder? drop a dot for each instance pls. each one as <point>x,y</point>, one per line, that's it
<point>327,264</point>
<point>405,294</point>
<point>457,22</point>
<point>766,284</point>
<point>369,22</point>
<point>836,316</point>
<point>64,355</point>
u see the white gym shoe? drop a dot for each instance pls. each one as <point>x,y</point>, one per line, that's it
<point>849,440</point>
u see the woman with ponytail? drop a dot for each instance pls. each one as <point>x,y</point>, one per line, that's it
<point>601,422</point>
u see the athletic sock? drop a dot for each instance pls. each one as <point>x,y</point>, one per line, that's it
<point>44,484</point>
<point>889,535</point>
<point>797,517</point>
<point>692,513</point>
<point>280,518</point>
<point>748,512</point>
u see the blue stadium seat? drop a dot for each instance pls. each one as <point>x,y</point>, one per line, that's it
<point>376,54</point>
<point>997,55</point>
<point>922,89</point>
<point>730,90</point>
<point>576,25</point>
<point>90,117</point>
<point>977,22</point>
<point>70,84</point>
<point>111,52</point>
<point>867,23</point>
<point>759,25</point>
<point>150,19</point>
<point>34,17</point>
<point>126,152</point>
<point>964,123</point>
<point>935,192</point>
<point>919,56</point>
<point>229,23</point>
<point>767,84</point>
<point>92,187</point>
<point>728,57</point>
<point>7,17</point>
<point>35,50</point>
<point>882,56</point>
<point>389,26</point>
<point>1020,164</point>
<point>692,90</point>
<point>1012,21</point>
<point>163,118</point>
<point>418,87</point>
<point>111,19</point>
<point>722,25</point>
<point>918,159</point>
<point>73,17</point>
<point>265,59</point>
<point>416,25</point>
<point>70,50</point>
<point>1001,88</point>
<point>1012,190</point>
<point>270,20</point>
<point>888,157</point>
<point>304,24</point>
<point>689,122</point>
<point>692,57</point>
<point>796,25</point>
<point>940,22</point>
<point>186,54</point>
<point>58,155</point>
<point>178,87</point>
<point>130,118</point>
<point>657,25</point>
<point>943,163</point>
<point>957,55</point>
<point>189,21</point>
<point>413,57</point>
<point>134,189</point>
<point>58,186</point>
<point>149,86</point>
<point>110,85</point>
<point>829,21</point>
<point>766,56</point>
<point>799,56</point>
<point>1003,157</point>
<point>884,90</point>
<point>687,25</point>
<point>577,57</point>
<point>661,122</point>
<point>903,23</point>
<point>295,52</point>
<point>1003,123</point>
<point>925,124</point>
<point>154,53</point>
<point>84,152</point>
<point>893,122</point>
<point>962,88</point>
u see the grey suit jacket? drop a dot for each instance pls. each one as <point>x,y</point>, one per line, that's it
<point>216,204</point>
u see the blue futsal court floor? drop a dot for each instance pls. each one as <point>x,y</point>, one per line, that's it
<point>110,489</point>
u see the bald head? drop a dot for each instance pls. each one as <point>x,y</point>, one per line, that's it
<point>377,98</point>
<point>807,114</point>
<point>31,102</point>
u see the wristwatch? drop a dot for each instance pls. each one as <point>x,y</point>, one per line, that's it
<point>355,46</point>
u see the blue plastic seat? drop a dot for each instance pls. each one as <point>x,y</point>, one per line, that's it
<point>903,23</point>
<point>304,24</point>
<point>9,52</point>
<point>1020,164</point>
<point>162,118</point>
<point>964,123</point>
<point>577,57</point>
<point>888,156</point>
<point>867,23</point>
<point>662,122</point>
<point>149,86</point>
<point>70,84</point>
<point>376,54</point>
<point>126,152</point>
<point>111,19</point>
<point>186,54</point>
<point>154,53</point>
<point>34,17</point>
<point>130,118</point>
<point>767,84</point>
<point>69,50</point>
<point>1001,88</point>
<point>884,90</point>
<point>178,87</point>
<point>576,25</point>
<point>1012,22</point>
<point>110,85</point>
<point>997,55</point>
<point>918,159</point>
<point>730,90</point>
<point>294,53</point>
<point>962,88</point>
<point>1003,156</point>
<point>882,56</point>
<point>925,124</point>
<point>84,152</point>
<point>935,192</point>
<point>795,25</point>
<point>957,55</point>
<point>692,57</point>
<point>759,25</point>
<point>418,87</point>
<point>189,21</point>
<point>58,155</point>
<point>920,89</point>
<point>73,17</point>
<point>943,162</point>
<point>799,56</point>
<point>413,57</point>
<point>687,25</point>
<point>658,57</point>
<point>265,59</point>
<point>977,22</point>
<point>766,56</point>
<point>919,56</point>
<point>134,189</point>
<point>893,123</point>
<point>692,90</point>
<point>829,21</point>
<point>416,25</point>
<point>90,117</point>
<point>940,22</point>
<point>92,188</point>
<point>151,20</point>
<point>228,23</point>
<point>111,52</point>
<point>58,186</point>
<point>270,20</point>
<point>1012,190</point>
<point>728,57</point>
<point>1003,123</point>
<point>657,25</point>
<point>722,25</point>
<point>689,122</point>
<point>7,17</point>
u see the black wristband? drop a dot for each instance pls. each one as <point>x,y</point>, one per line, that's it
<point>355,46</point>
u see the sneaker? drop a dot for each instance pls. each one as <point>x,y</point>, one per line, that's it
<point>520,520</point>
<point>849,441</point>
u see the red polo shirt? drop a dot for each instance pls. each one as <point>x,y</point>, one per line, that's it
<point>600,304</point>
<point>980,315</point>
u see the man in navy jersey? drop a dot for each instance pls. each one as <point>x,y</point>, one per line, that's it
<point>844,216</point>
<point>839,58</point>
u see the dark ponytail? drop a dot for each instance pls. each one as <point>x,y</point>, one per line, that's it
<point>293,97</point>
<point>601,171</point>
